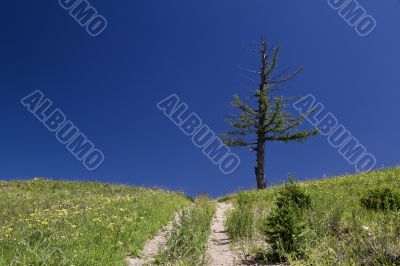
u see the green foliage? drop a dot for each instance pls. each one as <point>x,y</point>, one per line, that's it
<point>334,221</point>
<point>245,200</point>
<point>72,223</point>
<point>187,242</point>
<point>240,222</point>
<point>286,226</point>
<point>381,199</point>
<point>269,117</point>
<point>292,195</point>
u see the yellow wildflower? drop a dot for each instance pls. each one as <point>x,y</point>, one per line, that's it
<point>8,231</point>
<point>111,225</point>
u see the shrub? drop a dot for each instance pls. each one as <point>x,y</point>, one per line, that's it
<point>381,199</point>
<point>286,226</point>
<point>292,194</point>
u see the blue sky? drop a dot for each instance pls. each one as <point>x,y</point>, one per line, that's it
<point>109,86</point>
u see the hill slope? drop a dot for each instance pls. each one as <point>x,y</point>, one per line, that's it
<point>46,222</point>
<point>339,231</point>
<point>54,223</point>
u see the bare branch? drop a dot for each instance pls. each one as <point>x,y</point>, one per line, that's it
<point>287,78</point>
<point>249,70</point>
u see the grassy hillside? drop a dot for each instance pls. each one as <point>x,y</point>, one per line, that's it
<point>349,220</point>
<point>70,223</point>
<point>338,230</point>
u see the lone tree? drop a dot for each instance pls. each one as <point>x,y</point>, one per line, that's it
<point>268,119</point>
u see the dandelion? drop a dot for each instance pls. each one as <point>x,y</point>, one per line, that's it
<point>8,231</point>
<point>111,225</point>
<point>63,212</point>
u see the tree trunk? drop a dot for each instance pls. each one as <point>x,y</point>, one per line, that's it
<point>262,110</point>
<point>259,169</point>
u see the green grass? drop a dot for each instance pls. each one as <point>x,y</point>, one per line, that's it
<point>241,221</point>
<point>187,242</point>
<point>71,223</point>
<point>46,222</point>
<point>342,231</point>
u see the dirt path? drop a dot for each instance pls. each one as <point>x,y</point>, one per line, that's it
<point>152,247</point>
<point>219,252</point>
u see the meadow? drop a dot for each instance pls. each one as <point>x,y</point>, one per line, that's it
<point>45,222</point>
<point>339,230</point>
<point>335,221</point>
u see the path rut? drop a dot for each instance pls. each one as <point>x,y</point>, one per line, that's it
<point>219,252</point>
<point>152,247</point>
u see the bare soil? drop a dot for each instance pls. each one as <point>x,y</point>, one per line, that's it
<point>219,246</point>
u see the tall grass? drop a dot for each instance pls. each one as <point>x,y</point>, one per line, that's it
<point>187,242</point>
<point>241,221</point>
<point>70,223</point>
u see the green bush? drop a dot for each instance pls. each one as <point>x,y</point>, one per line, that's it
<point>286,226</point>
<point>381,199</point>
<point>292,194</point>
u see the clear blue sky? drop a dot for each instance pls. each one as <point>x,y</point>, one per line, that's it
<point>109,86</point>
